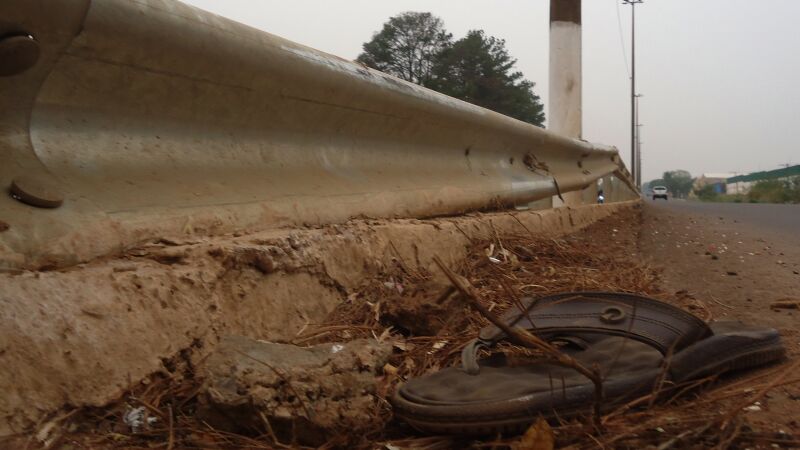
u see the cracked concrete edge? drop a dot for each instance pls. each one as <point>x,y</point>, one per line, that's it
<point>80,336</point>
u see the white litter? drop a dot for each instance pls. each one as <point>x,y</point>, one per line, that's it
<point>135,418</point>
<point>439,345</point>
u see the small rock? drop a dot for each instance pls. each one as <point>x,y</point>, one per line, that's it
<point>731,273</point>
<point>263,259</point>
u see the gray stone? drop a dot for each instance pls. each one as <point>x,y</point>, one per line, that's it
<point>308,394</point>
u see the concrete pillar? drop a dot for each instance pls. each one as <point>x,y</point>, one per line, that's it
<point>565,106</point>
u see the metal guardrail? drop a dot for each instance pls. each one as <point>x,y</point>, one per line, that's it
<point>126,120</point>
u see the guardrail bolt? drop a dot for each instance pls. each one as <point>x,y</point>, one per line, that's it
<point>18,53</point>
<point>35,191</point>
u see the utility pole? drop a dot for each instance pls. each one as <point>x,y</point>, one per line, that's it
<point>638,142</point>
<point>639,162</point>
<point>639,152</point>
<point>637,179</point>
<point>566,85</point>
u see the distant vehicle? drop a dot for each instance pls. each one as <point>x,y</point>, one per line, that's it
<point>659,192</point>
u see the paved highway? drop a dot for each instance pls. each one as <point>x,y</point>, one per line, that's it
<point>777,218</point>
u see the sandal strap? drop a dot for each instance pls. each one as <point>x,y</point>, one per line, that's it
<point>656,323</point>
<point>469,356</point>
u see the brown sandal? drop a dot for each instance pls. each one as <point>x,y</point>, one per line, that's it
<point>626,336</point>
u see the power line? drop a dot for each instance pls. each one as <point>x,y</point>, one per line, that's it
<point>622,41</point>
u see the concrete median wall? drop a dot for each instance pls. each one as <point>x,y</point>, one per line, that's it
<point>151,118</point>
<point>82,337</point>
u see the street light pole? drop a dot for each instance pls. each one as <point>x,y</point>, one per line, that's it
<point>635,172</point>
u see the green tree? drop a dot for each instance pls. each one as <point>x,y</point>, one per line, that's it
<point>678,182</point>
<point>407,46</point>
<point>775,191</point>
<point>479,70</point>
<point>652,183</point>
<point>794,189</point>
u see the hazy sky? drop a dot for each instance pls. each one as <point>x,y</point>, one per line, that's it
<point>719,78</point>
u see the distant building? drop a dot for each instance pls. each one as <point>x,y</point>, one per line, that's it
<point>717,180</point>
<point>741,184</point>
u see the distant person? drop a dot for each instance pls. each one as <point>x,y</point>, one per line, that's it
<point>600,197</point>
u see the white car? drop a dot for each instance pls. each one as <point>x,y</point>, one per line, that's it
<point>659,192</point>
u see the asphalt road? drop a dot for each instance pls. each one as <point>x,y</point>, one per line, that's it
<point>736,261</point>
<point>775,218</point>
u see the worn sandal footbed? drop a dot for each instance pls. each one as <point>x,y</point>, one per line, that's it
<point>626,336</point>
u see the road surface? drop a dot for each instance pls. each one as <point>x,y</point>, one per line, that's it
<point>736,261</point>
<point>773,218</point>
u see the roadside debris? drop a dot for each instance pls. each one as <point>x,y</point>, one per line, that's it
<point>423,311</point>
<point>304,395</point>
<point>538,437</point>
<point>786,303</point>
<point>138,419</point>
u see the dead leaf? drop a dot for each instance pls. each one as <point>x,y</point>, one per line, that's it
<point>538,437</point>
<point>389,369</point>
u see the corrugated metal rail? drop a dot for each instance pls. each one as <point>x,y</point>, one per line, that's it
<point>127,120</point>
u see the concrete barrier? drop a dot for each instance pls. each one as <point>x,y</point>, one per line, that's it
<point>123,121</point>
<point>84,336</point>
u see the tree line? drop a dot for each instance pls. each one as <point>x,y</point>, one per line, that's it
<point>416,47</point>
<point>680,184</point>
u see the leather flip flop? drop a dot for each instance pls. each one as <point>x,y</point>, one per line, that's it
<point>628,337</point>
